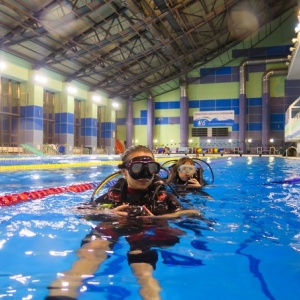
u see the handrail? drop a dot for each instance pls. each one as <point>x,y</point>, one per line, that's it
<point>291,147</point>
<point>50,150</point>
<point>11,150</point>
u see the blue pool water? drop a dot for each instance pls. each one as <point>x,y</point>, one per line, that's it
<point>251,252</point>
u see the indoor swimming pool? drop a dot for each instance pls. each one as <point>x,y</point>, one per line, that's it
<point>251,250</point>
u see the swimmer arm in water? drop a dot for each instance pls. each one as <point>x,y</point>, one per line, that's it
<point>173,215</point>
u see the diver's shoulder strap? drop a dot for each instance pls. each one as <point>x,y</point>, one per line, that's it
<point>200,176</point>
<point>117,192</point>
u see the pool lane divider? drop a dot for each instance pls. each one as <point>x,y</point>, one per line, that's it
<point>56,166</point>
<point>47,166</point>
<point>12,199</point>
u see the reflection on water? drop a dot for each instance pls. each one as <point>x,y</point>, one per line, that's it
<point>256,222</point>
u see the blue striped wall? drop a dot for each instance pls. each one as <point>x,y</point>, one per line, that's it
<point>88,127</point>
<point>32,117</point>
<point>107,129</point>
<point>229,74</point>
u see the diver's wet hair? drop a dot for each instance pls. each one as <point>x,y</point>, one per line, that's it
<point>135,148</point>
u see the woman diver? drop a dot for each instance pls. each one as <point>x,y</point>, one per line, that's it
<point>185,177</point>
<point>184,172</point>
<point>141,206</point>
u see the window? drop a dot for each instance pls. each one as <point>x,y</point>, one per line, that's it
<point>49,118</point>
<point>199,131</point>
<point>77,123</point>
<point>222,131</point>
<point>209,132</point>
<point>99,144</point>
<point>9,113</point>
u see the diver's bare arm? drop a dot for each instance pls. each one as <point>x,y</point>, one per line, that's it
<point>170,215</point>
<point>90,256</point>
<point>179,213</point>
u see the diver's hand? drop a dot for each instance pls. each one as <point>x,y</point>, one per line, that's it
<point>147,212</point>
<point>121,210</point>
<point>124,211</point>
<point>193,182</point>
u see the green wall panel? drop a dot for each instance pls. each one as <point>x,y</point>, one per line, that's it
<point>213,91</point>
<point>170,96</point>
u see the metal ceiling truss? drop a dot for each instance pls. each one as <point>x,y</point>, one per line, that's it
<point>125,48</point>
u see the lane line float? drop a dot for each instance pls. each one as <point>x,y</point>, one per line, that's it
<point>12,199</point>
<point>47,166</point>
<point>56,166</point>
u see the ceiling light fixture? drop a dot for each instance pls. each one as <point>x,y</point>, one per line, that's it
<point>71,90</point>
<point>2,65</point>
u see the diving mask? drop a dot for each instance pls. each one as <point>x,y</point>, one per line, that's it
<point>187,169</point>
<point>141,167</point>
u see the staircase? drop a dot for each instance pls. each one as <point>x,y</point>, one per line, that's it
<point>284,147</point>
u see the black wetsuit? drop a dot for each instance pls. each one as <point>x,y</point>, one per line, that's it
<point>140,234</point>
<point>155,198</point>
<point>182,189</point>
